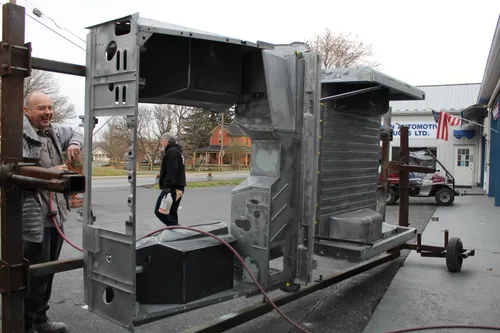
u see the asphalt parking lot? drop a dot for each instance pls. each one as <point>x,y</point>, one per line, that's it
<point>346,307</point>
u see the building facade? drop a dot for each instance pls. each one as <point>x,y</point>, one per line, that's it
<point>489,98</point>
<point>461,154</point>
<point>228,145</point>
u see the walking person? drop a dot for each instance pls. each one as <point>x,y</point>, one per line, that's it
<point>42,242</point>
<point>172,179</point>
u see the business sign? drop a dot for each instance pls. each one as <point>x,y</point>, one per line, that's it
<point>417,130</point>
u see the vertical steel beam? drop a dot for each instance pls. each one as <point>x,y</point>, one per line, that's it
<point>384,173</point>
<point>404,182</point>
<point>384,164</point>
<point>13,26</point>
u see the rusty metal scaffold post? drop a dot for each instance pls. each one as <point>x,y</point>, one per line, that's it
<point>18,174</point>
<point>404,181</point>
<point>14,57</point>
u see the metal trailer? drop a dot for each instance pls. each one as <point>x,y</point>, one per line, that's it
<point>312,187</point>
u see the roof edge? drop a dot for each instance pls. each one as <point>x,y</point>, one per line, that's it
<point>492,68</point>
<point>422,112</point>
<point>448,85</point>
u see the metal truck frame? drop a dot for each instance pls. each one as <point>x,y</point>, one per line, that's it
<point>294,203</point>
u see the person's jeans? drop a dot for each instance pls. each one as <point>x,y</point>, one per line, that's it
<point>171,218</point>
<point>36,302</point>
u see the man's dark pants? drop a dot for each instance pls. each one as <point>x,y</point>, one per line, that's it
<point>36,303</point>
<point>171,218</point>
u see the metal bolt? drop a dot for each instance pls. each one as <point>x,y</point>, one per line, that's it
<point>5,45</point>
<point>5,66</point>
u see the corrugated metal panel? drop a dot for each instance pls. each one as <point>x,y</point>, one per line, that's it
<point>348,164</point>
<point>442,97</point>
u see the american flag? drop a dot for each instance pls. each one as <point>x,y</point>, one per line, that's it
<point>444,120</point>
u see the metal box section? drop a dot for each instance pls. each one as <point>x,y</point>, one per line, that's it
<point>272,211</point>
<point>181,266</point>
<point>348,220</point>
<point>276,90</point>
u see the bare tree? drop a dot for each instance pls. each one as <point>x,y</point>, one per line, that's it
<point>164,119</point>
<point>45,82</point>
<point>179,114</point>
<point>342,51</point>
<point>115,140</point>
<point>152,122</point>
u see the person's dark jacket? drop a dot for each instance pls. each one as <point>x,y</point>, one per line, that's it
<point>173,171</point>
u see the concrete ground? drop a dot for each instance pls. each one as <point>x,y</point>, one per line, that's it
<point>345,308</point>
<point>424,293</point>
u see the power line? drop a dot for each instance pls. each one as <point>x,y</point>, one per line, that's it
<point>64,28</point>
<point>107,121</point>
<point>69,40</point>
<point>39,13</point>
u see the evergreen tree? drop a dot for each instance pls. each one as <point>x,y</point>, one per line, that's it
<point>198,127</point>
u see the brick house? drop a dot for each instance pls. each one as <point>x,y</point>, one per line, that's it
<point>233,142</point>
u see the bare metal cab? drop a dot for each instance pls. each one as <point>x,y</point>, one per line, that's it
<point>312,187</point>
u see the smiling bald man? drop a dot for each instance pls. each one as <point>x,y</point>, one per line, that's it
<point>51,144</point>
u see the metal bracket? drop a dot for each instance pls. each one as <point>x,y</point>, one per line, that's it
<point>19,62</point>
<point>386,135</point>
<point>350,93</point>
<point>14,278</point>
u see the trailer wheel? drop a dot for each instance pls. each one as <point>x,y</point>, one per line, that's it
<point>454,258</point>
<point>392,196</point>
<point>444,196</point>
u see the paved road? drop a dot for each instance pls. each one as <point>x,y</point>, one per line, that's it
<point>120,182</point>
<point>343,308</point>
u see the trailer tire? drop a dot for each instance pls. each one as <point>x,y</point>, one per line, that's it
<point>444,196</point>
<point>392,196</point>
<point>454,258</point>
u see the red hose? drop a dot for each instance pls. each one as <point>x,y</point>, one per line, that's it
<point>59,229</point>
<point>413,329</point>
<point>244,266</point>
<point>206,234</point>
<point>442,327</point>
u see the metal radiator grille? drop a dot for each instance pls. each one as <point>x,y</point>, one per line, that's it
<point>348,164</point>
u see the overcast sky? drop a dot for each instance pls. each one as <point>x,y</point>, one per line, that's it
<point>419,42</point>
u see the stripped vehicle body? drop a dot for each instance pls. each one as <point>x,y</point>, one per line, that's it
<point>307,127</point>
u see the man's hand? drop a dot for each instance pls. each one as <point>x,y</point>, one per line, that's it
<point>178,194</point>
<point>62,167</point>
<point>73,151</point>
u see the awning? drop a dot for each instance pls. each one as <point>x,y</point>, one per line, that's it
<point>469,134</point>
<point>475,113</point>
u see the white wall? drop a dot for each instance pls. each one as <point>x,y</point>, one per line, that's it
<point>426,137</point>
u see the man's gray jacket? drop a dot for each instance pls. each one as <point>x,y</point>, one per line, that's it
<point>33,212</point>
